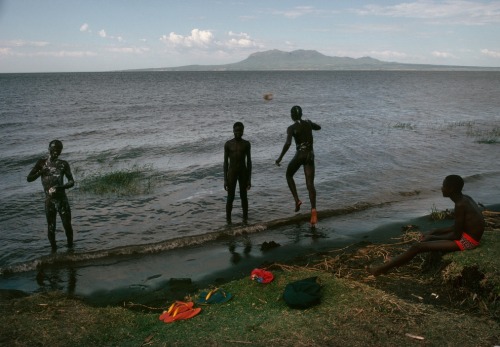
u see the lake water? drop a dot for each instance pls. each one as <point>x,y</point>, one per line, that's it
<point>386,137</point>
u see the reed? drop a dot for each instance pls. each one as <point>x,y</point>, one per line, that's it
<point>490,136</point>
<point>468,124</point>
<point>440,215</point>
<point>405,126</point>
<point>130,181</point>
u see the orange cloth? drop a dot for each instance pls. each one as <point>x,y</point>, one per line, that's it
<point>466,242</point>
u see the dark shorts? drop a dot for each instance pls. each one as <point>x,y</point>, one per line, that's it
<point>303,158</point>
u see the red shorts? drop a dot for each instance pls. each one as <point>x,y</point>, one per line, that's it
<point>466,242</point>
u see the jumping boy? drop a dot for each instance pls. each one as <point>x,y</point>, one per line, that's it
<point>237,169</point>
<point>52,171</point>
<point>301,131</point>
<point>464,234</point>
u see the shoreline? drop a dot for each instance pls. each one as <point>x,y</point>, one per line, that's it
<point>160,275</point>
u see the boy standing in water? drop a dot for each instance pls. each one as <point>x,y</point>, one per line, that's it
<point>301,131</point>
<point>464,234</point>
<point>237,168</point>
<point>52,171</point>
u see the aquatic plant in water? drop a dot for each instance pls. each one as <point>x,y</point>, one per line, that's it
<point>405,126</point>
<point>491,136</point>
<point>131,181</point>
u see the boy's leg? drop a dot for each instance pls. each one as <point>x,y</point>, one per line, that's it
<point>51,214</point>
<point>309,174</point>
<point>65,214</point>
<point>293,166</point>
<point>231,190</point>
<point>428,246</point>
<point>243,183</point>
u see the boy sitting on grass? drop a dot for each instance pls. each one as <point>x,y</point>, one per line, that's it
<point>464,234</point>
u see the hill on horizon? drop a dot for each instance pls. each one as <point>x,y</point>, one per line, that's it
<point>303,60</point>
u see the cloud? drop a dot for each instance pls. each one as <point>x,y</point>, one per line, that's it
<point>206,40</point>
<point>22,43</point>
<point>450,11</point>
<point>5,51</point>
<point>129,50</point>
<point>493,54</point>
<point>298,11</point>
<point>370,28</point>
<point>84,27</point>
<point>438,54</point>
<point>242,40</point>
<point>388,54</point>
<point>63,54</point>
<point>198,38</point>
<point>55,54</point>
<point>102,33</point>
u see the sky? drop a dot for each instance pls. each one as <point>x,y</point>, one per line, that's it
<point>108,35</point>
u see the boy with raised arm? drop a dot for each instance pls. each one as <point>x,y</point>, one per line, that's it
<point>52,171</point>
<point>301,132</point>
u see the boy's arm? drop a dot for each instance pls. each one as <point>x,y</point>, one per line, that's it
<point>286,146</point>
<point>69,176</point>
<point>36,171</point>
<point>450,233</point>
<point>440,231</point>
<point>249,165</point>
<point>226,164</point>
<point>315,126</point>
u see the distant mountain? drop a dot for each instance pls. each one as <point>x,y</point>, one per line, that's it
<point>312,60</point>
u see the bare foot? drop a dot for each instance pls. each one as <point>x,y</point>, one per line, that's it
<point>375,271</point>
<point>297,205</point>
<point>314,217</point>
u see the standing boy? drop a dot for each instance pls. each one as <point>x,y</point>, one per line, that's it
<point>301,131</point>
<point>464,234</point>
<point>237,168</point>
<point>52,172</point>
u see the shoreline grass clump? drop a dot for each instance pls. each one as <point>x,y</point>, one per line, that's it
<point>477,269</point>
<point>131,181</point>
<point>441,215</point>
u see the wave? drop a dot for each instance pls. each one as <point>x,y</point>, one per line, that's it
<point>479,177</point>
<point>81,259</point>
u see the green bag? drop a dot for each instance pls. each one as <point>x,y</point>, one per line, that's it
<point>303,293</point>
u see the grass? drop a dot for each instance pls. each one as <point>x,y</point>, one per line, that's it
<point>131,181</point>
<point>408,307</point>
<point>405,126</point>
<point>351,314</point>
<point>478,268</point>
<point>467,124</point>
<point>440,215</point>
<point>491,136</point>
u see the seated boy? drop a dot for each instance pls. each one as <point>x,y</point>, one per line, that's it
<point>464,234</point>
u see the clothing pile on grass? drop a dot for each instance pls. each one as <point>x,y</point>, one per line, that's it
<point>299,294</point>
